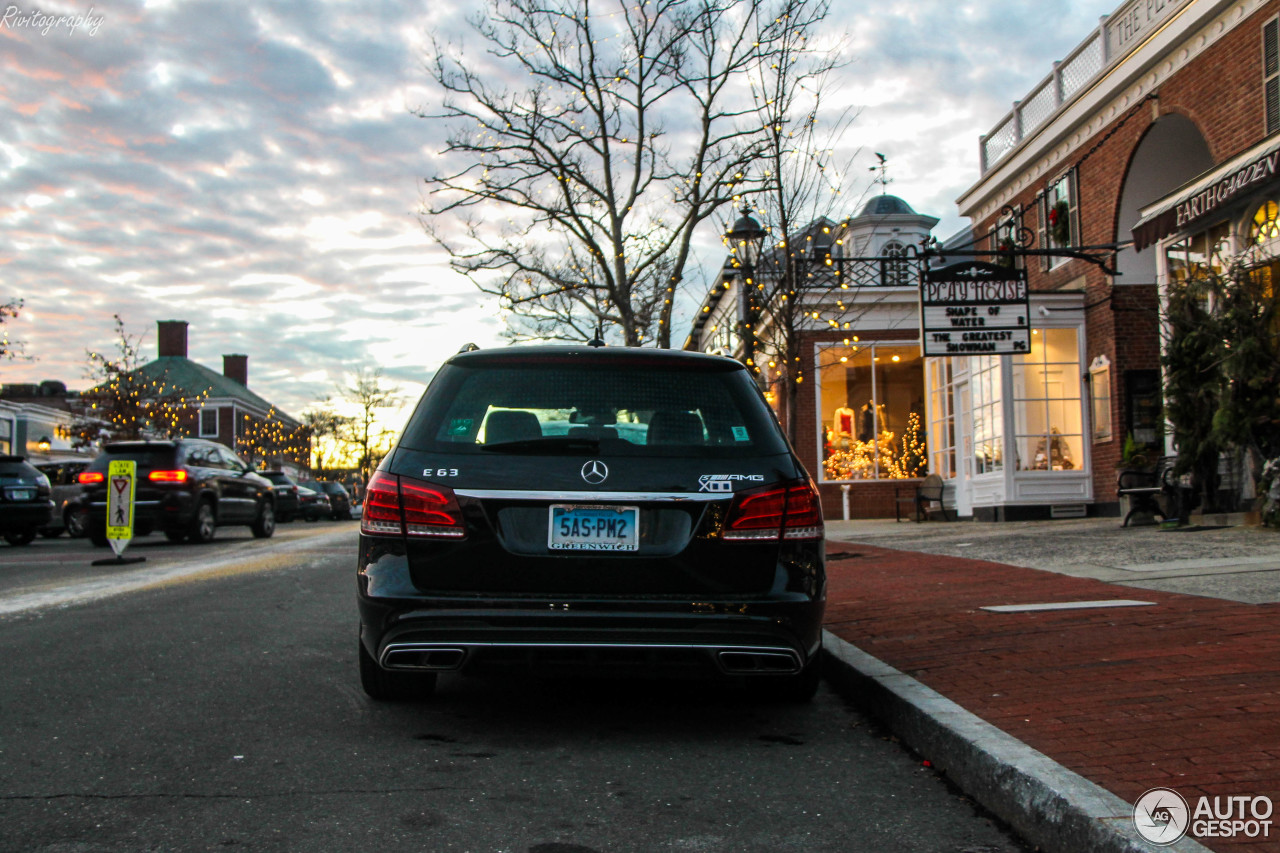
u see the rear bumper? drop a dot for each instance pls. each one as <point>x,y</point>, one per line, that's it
<point>22,516</point>
<point>172,510</point>
<point>669,639</point>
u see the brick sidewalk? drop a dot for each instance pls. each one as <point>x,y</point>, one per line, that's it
<point>1184,695</point>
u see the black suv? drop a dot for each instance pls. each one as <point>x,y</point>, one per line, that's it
<point>580,509</point>
<point>26,500</point>
<point>339,499</point>
<point>286,495</point>
<point>185,487</point>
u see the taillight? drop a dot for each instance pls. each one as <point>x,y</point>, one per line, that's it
<point>780,512</point>
<point>90,478</point>
<point>403,506</point>
<point>168,476</point>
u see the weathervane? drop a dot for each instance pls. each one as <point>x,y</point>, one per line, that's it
<point>882,178</point>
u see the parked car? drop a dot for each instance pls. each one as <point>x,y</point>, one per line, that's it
<point>286,489</point>
<point>185,487</point>
<point>26,500</point>
<point>583,509</point>
<point>69,509</point>
<point>339,500</point>
<point>313,504</point>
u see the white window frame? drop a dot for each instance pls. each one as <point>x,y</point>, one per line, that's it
<point>1100,394</point>
<point>1065,184</point>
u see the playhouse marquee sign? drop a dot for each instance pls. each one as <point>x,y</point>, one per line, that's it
<point>974,309</point>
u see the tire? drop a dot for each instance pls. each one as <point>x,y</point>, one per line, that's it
<point>98,536</point>
<point>76,521</point>
<point>204,526</point>
<point>265,524</point>
<point>175,534</point>
<point>21,537</point>
<point>384,686</point>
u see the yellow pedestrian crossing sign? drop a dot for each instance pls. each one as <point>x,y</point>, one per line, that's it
<point>121,474</point>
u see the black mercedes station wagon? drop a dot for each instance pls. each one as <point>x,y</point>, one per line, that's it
<point>586,510</point>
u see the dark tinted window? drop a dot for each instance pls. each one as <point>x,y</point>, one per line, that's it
<point>148,458</point>
<point>639,407</point>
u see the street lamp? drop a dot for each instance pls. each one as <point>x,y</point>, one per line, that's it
<point>747,239</point>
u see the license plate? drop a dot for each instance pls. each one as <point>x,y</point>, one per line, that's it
<point>20,494</point>
<point>576,527</point>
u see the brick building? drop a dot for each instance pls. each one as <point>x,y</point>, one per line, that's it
<point>1156,134</point>
<point>220,406</point>
<point>1150,147</point>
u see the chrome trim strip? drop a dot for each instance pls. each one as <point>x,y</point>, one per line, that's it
<point>591,497</point>
<point>466,645</point>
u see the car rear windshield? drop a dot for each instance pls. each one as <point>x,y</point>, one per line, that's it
<point>147,458</point>
<point>618,407</point>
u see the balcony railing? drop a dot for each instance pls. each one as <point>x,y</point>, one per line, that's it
<point>1116,36</point>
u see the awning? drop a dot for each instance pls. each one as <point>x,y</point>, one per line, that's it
<point>1202,197</point>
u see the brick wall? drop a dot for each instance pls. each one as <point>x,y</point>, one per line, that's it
<point>1221,91</point>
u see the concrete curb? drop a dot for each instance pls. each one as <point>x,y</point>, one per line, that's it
<point>1047,804</point>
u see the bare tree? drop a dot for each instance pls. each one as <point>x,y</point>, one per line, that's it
<point>369,395</point>
<point>580,191</point>
<point>327,429</point>
<point>9,350</point>
<point>131,399</point>
<point>798,189</point>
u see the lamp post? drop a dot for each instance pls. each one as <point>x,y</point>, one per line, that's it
<point>746,237</point>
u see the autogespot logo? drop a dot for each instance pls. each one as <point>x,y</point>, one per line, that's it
<point>1161,816</point>
<point>595,472</point>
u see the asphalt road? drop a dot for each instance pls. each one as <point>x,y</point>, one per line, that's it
<point>209,700</point>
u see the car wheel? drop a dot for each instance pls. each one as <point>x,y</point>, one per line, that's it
<point>265,524</point>
<point>386,686</point>
<point>21,537</point>
<point>204,526</point>
<point>76,521</point>
<point>175,534</point>
<point>50,532</point>
<point>98,536</point>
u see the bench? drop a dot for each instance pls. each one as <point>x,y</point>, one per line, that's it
<point>921,496</point>
<point>1143,488</point>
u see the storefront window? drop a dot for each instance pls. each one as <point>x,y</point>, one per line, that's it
<point>988,414</point>
<point>1047,398</point>
<point>942,418</point>
<point>872,409</point>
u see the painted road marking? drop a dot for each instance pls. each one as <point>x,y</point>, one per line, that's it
<point>259,559</point>
<point>1067,605</point>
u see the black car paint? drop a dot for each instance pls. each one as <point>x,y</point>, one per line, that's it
<point>237,494</point>
<point>26,502</point>
<point>665,608</point>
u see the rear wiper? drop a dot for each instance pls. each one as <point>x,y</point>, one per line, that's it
<point>551,444</point>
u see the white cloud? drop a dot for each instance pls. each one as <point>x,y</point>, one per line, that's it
<point>257,172</point>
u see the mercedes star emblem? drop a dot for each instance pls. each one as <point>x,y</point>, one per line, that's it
<point>595,472</point>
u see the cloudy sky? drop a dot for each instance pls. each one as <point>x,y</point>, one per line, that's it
<point>255,169</point>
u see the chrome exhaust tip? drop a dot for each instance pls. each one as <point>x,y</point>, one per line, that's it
<point>435,658</point>
<point>759,661</point>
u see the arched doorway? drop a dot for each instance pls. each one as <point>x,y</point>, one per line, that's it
<point>1171,153</point>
